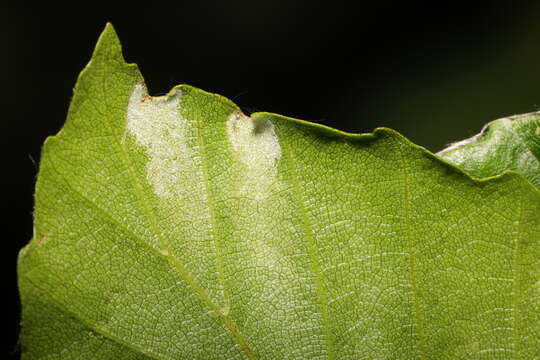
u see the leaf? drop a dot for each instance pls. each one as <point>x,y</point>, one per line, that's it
<point>511,143</point>
<point>177,227</point>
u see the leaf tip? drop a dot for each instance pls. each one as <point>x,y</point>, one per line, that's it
<point>108,46</point>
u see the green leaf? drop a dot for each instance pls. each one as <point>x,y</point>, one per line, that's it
<point>511,143</point>
<point>176,227</point>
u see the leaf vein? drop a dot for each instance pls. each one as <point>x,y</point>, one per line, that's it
<point>419,320</point>
<point>211,213</point>
<point>314,260</point>
<point>517,286</point>
<point>104,333</point>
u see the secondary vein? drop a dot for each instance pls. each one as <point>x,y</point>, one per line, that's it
<point>422,352</point>
<point>211,214</point>
<point>517,285</point>
<point>314,260</point>
<point>97,330</point>
<point>229,322</point>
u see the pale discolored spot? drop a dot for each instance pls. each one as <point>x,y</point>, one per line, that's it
<point>156,124</point>
<point>256,146</point>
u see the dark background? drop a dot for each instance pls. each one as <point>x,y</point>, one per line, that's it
<point>433,71</point>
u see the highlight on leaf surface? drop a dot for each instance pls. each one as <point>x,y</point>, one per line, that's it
<point>177,227</point>
<point>511,143</point>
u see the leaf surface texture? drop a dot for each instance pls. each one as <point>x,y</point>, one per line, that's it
<point>177,227</point>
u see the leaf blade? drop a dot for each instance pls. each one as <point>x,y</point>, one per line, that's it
<point>507,144</point>
<point>330,244</point>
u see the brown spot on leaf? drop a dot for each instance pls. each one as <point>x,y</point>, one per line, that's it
<point>40,239</point>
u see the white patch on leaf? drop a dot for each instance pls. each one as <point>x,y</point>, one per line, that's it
<point>156,124</point>
<point>257,148</point>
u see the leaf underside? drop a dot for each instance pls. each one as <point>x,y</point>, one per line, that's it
<point>511,143</point>
<point>176,227</point>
